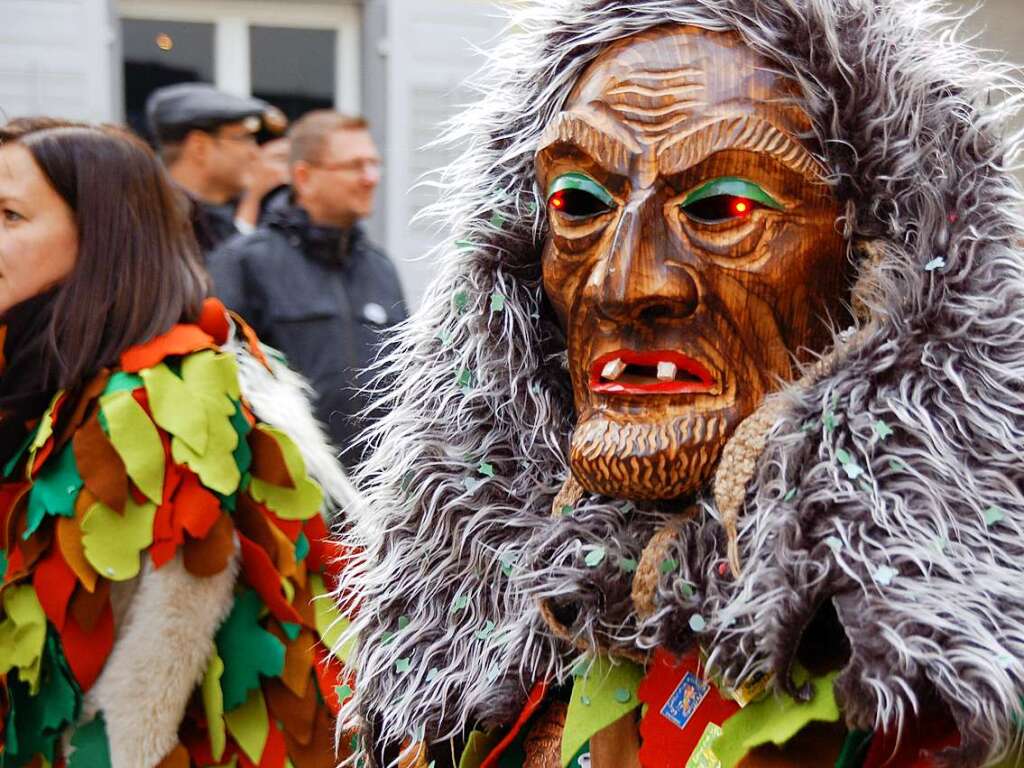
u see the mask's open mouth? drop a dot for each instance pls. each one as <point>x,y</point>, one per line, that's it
<point>658,372</point>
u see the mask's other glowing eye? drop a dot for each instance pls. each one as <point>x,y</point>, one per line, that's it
<point>578,196</point>
<point>726,199</point>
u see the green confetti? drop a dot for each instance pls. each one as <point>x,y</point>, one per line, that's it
<point>444,336</point>
<point>882,430</point>
<point>585,701</point>
<point>460,301</point>
<point>594,557</point>
<point>896,465</point>
<point>790,495</point>
<point>472,483</point>
<point>829,420</point>
<point>486,632</point>
<point>497,302</point>
<point>402,666</point>
<point>497,220</point>
<point>485,469</point>
<point>464,378</point>
<point>843,456</point>
<point>344,692</point>
<point>464,244</point>
<point>834,543</point>
<point>388,637</point>
<point>403,622</point>
<point>493,673</point>
<point>461,603</point>
<point>566,510</point>
<point>622,695</point>
<point>507,562</point>
<point>668,565</point>
<point>628,564</point>
<point>994,516</point>
<point>687,589</point>
<point>697,623</point>
<point>937,263</point>
<point>885,574</point>
<point>432,674</point>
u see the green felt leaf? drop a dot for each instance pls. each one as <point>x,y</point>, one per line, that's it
<point>214,374</point>
<point>213,705</point>
<point>775,719</point>
<point>301,547</point>
<point>994,516</point>
<point>44,431</point>
<point>601,695</point>
<point>485,469</point>
<point>882,430</point>
<point>243,453</point>
<point>330,624</point>
<point>123,382</point>
<point>461,603</point>
<point>595,557</point>
<point>16,457</point>
<point>247,649</point>
<point>461,299</point>
<point>249,724</point>
<point>299,503</point>
<point>216,466</point>
<point>22,634</point>
<point>114,542</point>
<point>37,719</point>
<point>90,748</point>
<point>136,440</point>
<point>855,749</point>
<point>54,490</point>
<point>173,407</point>
<point>478,747</point>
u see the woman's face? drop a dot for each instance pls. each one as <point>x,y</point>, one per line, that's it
<point>38,234</point>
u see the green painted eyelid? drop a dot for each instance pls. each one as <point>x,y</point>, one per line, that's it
<point>735,186</point>
<point>583,183</point>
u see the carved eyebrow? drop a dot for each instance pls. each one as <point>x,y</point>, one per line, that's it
<point>612,152</point>
<point>685,150</point>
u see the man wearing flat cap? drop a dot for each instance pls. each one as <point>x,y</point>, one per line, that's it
<point>208,141</point>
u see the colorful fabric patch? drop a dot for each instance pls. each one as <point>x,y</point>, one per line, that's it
<point>684,700</point>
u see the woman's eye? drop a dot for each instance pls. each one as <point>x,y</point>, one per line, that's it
<point>578,196</point>
<point>12,216</point>
<point>577,203</point>
<point>720,208</point>
<point>727,199</point>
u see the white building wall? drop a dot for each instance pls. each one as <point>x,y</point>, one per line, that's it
<point>59,58</point>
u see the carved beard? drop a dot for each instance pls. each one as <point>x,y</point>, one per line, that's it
<point>647,461</point>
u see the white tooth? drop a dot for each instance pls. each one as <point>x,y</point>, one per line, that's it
<point>667,371</point>
<point>613,369</point>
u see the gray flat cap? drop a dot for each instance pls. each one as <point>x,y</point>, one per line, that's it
<point>174,110</point>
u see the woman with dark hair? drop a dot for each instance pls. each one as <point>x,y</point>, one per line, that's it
<point>161,533</point>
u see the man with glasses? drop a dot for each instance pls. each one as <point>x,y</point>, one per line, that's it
<point>207,139</point>
<point>308,279</point>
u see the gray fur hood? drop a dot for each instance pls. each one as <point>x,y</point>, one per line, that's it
<point>887,483</point>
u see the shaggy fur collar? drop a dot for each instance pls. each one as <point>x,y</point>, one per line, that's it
<point>915,536</point>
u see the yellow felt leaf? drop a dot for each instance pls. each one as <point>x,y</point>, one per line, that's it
<point>136,440</point>
<point>299,503</point>
<point>249,724</point>
<point>22,634</point>
<point>330,624</point>
<point>114,541</point>
<point>214,375</point>
<point>213,705</point>
<point>216,466</point>
<point>45,430</point>
<point>174,408</point>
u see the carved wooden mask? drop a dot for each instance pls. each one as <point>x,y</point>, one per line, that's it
<point>692,253</point>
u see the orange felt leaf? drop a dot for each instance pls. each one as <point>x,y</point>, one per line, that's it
<point>85,402</point>
<point>295,713</point>
<point>54,583</point>
<point>176,758</point>
<point>285,553</point>
<point>87,607</point>
<point>180,340</point>
<point>36,545</point>
<point>303,603</point>
<point>268,462</point>
<point>251,339</point>
<point>316,532</point>
<point>12,495</point>
<point>69,539</point>
<point>290,528</point>
<point>298,659</point>
<point>15,566</point>
<point>102,470</point>
<point>210,555</point>
<point>329,675</point>
<point>262,576</point>
<point>213,318</point>
<point>87,652</point>
<point>196,510</point>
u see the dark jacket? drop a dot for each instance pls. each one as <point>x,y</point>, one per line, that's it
<point>321,296</point>
<point>212,224</point>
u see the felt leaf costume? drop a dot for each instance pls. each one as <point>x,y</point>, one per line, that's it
<point>163,474</point>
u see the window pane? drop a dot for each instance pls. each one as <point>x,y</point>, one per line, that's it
<point>293,69</point>
<point>158,53</point>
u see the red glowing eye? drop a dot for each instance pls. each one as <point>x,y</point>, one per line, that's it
<point>557,200</point>
<point>740,207</point>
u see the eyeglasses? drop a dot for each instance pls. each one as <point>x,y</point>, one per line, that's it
<point>244,138</point>
<point>364,166</point>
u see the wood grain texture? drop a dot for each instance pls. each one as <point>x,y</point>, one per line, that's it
<point>654,118</point>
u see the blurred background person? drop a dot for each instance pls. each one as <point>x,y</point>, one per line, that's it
<point>125,515</point>
<point>268,178</point>
<point>308,279</point>
<point>207,138</point>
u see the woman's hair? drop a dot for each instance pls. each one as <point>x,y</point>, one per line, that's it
<point>137,272</point>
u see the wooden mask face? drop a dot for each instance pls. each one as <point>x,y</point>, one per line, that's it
<point>692,253</point>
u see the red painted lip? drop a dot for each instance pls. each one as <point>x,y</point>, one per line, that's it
<point>692,376</point>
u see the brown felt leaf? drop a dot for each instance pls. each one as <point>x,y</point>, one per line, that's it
<point>210,556</point>
<point>85,404</point>
<point>36,545</point>
<point>319,752</point>
<point>295,713</point>
<point>253,523</point>
<point>69,539</point>
<point>13,503</point>
<point>268,462</point>
<point>87,607</point>
<point>303,603</point>
<point>285,552</point>
<point>298,659</point>
<point>176,758</point>
<point>100,466</point>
